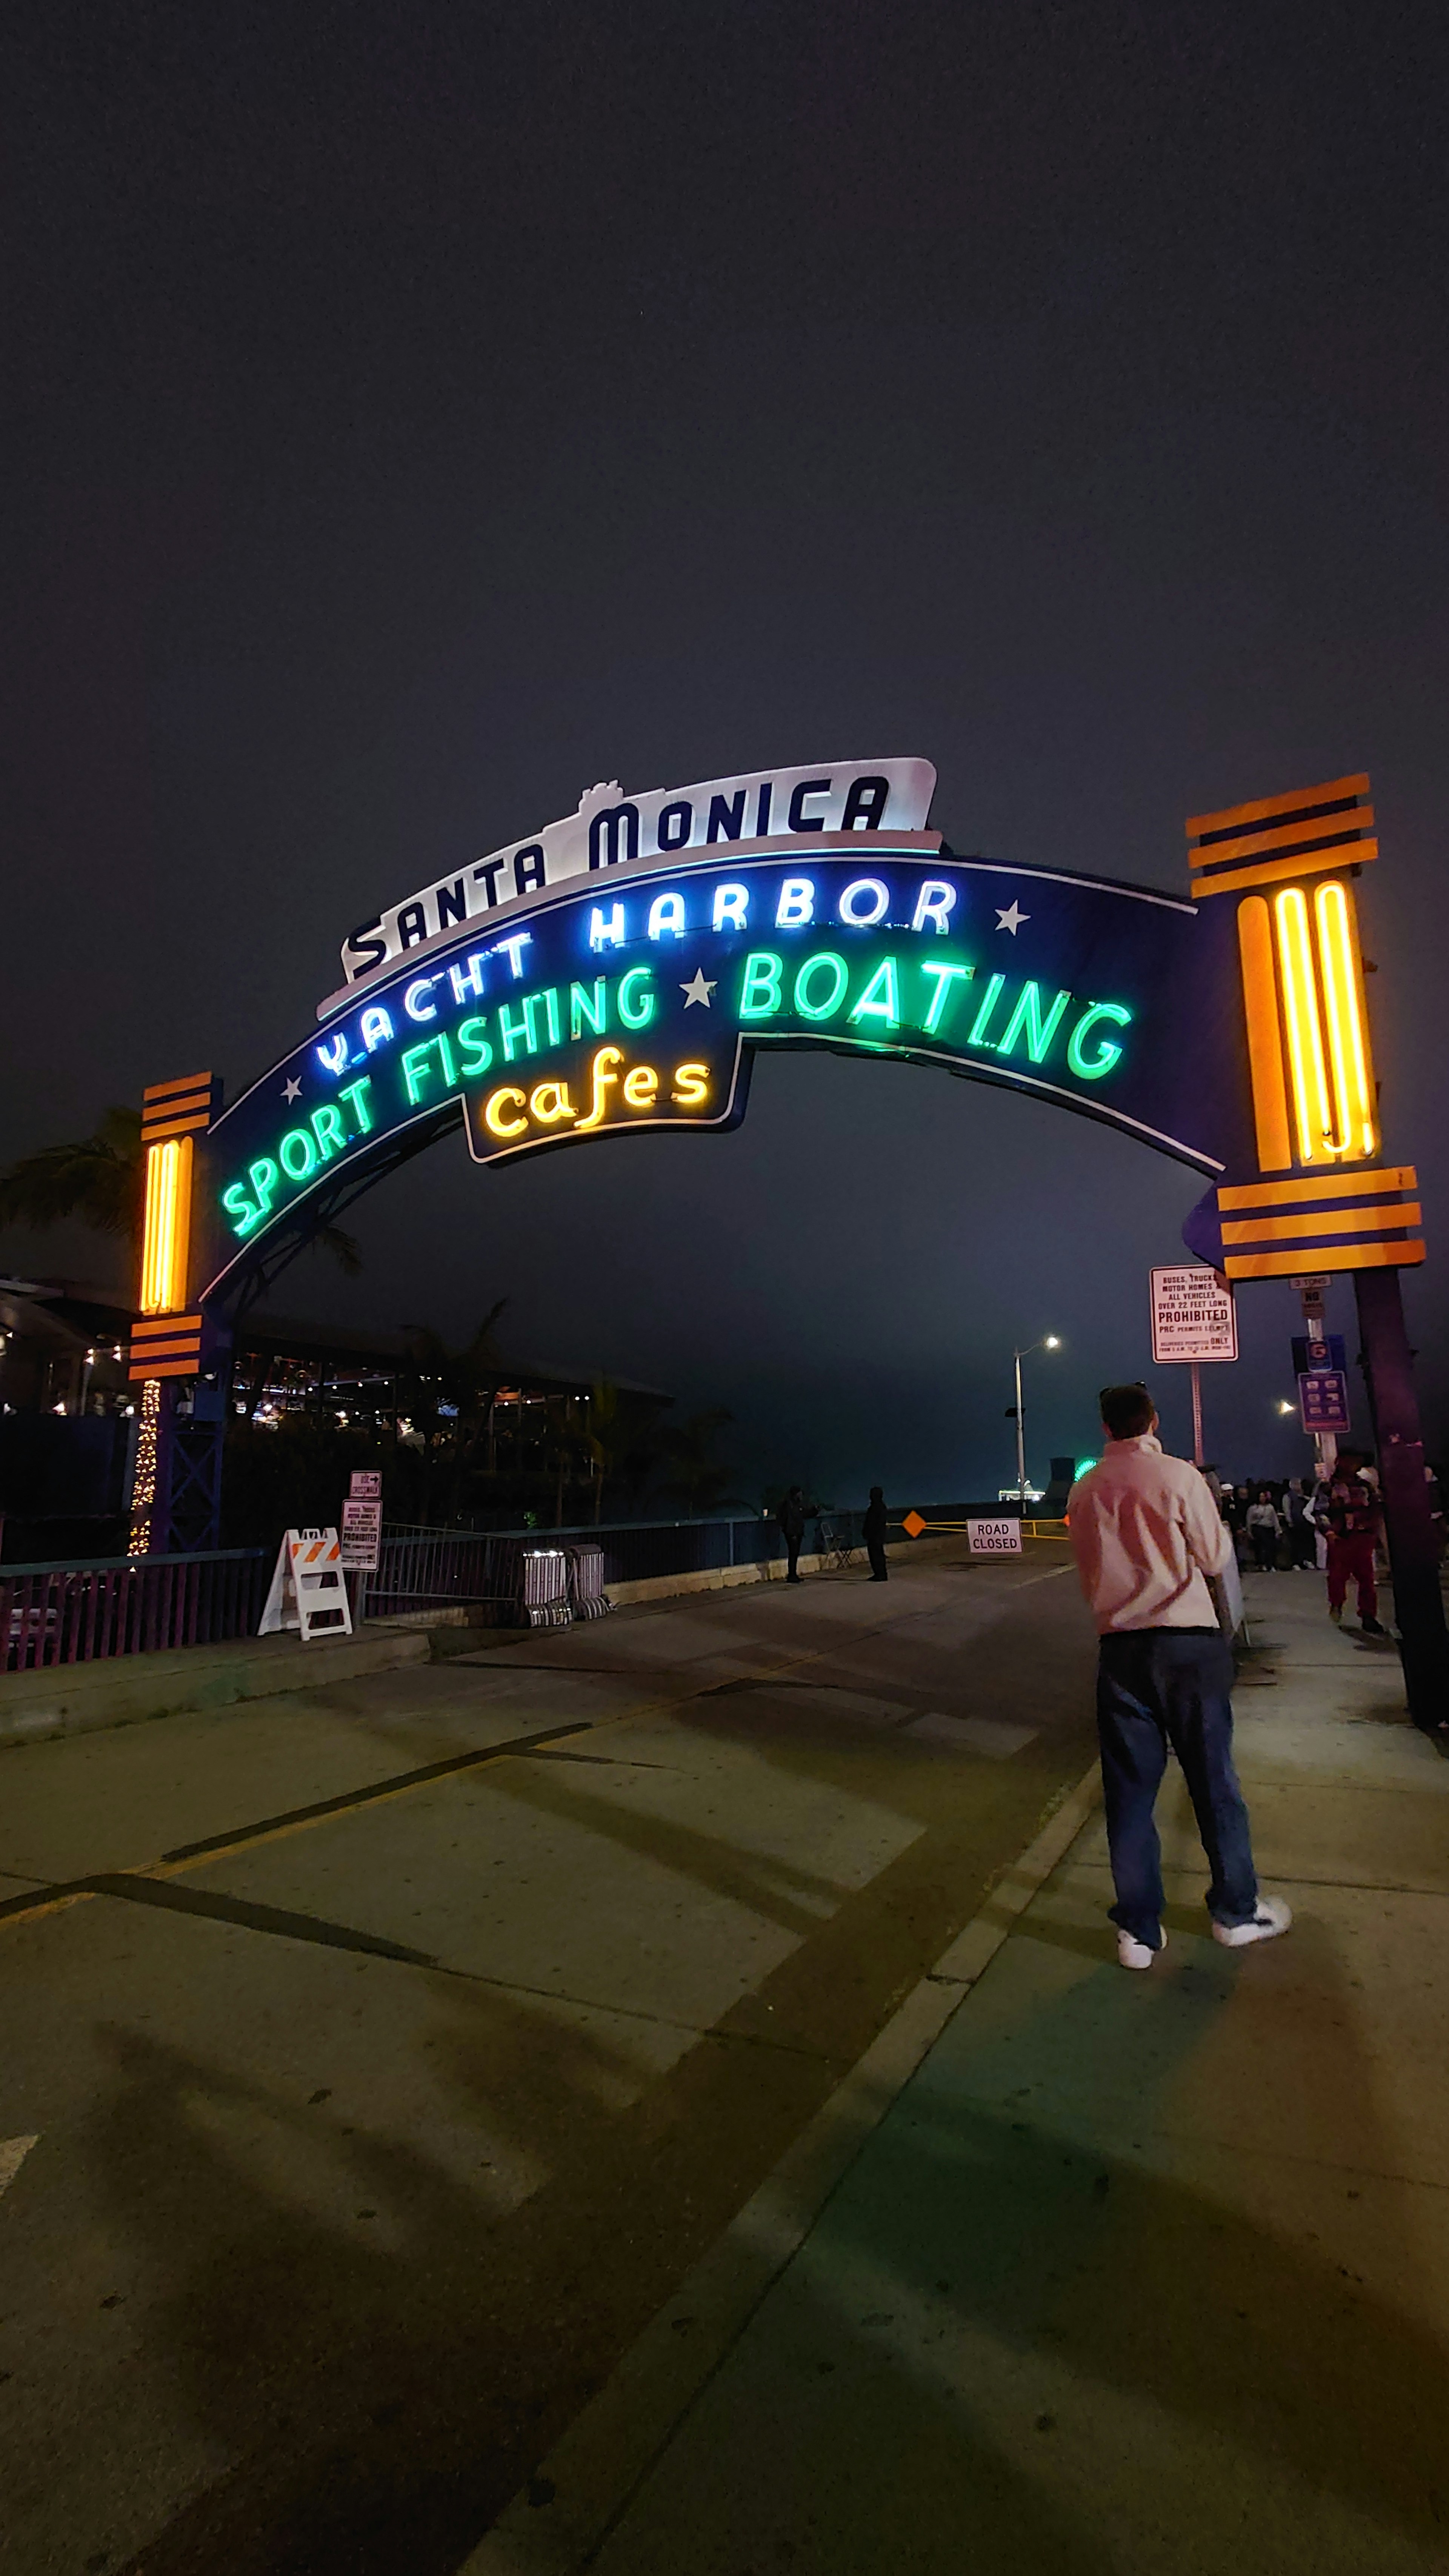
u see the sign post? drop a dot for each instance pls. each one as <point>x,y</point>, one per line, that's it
<point>1194,1318</point>
<point>362,1531</point>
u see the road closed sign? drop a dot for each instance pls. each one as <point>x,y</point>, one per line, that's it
<point>994,1538</point>
<point>1193,1315</point>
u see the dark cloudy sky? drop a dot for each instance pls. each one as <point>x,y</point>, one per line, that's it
<point>414,414</point>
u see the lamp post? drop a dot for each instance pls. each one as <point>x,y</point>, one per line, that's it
<point>1049,1342</point>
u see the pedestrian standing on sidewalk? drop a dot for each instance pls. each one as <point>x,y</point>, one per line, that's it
<point>873,1531</point>
<point>1352,1522</point>
<point>1148,1542</point>
<point>1300,1527</point>
<point>791,1516</point>
<point>1263,1531</point>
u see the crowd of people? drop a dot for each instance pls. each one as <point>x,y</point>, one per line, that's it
<point>1332,1524</point>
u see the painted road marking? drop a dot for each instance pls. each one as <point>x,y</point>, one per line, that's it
<point>56,1898</point>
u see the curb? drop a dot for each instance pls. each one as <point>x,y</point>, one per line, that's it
<point>125,1690</point>
<point>558,2521</point>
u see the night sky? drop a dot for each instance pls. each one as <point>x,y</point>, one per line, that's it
<point>413,415</point>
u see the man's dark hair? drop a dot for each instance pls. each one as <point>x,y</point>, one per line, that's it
<point>1127,1410</point>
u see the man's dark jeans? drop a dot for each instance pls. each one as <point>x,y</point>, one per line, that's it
<point>1155,1687</point>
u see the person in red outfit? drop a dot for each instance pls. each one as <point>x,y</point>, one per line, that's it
<point>1351,1518</point>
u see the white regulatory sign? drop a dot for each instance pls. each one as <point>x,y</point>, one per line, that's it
<point>994,1538</point>
<point>1193,1315</point>
<point>361,1534</point>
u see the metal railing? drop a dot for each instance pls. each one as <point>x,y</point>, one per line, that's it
<point>79,1613</point>
<point>422,1569</point>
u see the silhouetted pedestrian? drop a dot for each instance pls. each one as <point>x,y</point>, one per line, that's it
<point>1263,1531</point>
<point>791,1516</point>
<point>873,1531</point>
<point>1300,1526</point>
<point>1148,1543</point>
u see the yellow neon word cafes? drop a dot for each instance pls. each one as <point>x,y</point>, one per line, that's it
<point>610,1097</point>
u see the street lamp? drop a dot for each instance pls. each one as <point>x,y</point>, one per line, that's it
<point>1049,1342</point>
<point>1284,1406</point>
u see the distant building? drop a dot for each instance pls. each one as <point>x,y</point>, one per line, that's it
<point>67,1421</point>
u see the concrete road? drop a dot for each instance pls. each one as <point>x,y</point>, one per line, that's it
<point>375,2061</point>
<point>1135,2275</point>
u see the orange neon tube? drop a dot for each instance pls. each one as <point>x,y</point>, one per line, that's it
<point>1348,1046</point>
<point>1305,1036</point>
<point>1265,1043</point>
<point>167,1226</point>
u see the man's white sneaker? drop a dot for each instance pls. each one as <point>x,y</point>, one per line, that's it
<point>1132,1953</point>
<point>1271,1918</point>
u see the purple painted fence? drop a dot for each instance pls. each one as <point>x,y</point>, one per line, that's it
<point>75,1614</point>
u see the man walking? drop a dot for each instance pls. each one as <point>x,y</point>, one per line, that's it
<point>1351,1519</point>
<point>1147,1541</point>
<point>791,1516</point>
<point>873,1531</point>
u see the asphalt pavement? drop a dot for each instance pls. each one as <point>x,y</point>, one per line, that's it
<point>378,2059</point>
<point>1116,2275</point>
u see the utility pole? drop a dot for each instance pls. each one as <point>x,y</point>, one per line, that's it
<point>1388,1367</point>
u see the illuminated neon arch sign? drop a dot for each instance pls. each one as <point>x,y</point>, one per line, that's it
<point>620,972</point>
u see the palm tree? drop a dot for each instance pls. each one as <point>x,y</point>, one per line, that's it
<point>101,1179</point>
<point>450,1395</point>
<point>97,1179</point>
<point>621,1438</point>
<point>699,1481</point>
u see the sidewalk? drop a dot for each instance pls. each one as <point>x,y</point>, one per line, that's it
<point>1134,2275</point>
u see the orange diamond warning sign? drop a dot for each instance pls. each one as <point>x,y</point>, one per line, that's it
<point>913,1525</point>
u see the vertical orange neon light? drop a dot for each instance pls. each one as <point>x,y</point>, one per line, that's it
<point>1312,1115</point>
<point>1356,1130</point>
<point>167,1226</point>
<point>1265,1042</point>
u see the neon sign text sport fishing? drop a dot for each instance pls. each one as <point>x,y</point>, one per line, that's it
<point>644,1007</point>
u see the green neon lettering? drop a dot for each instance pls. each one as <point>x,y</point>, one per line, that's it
<point>947,978</point>
<point>514,1033</point>
<point>1091,1069</point>
<point>445,1059</point>
<point>881,999</point>
<point>244,1217</point>
<point>329,1131</point>
<point>1027,1015</point>
<point>417,1069</point>
<point>550,1008</point>
<point>299,1165</point>
<point>359,1096</point>
<point>588,1009</point>
<point>839,974</point>
<point>637,1013</point>
<point>982,1021</point>
<point>760,984</point>
<point>263,1178</point>
<point>477,1053</point>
